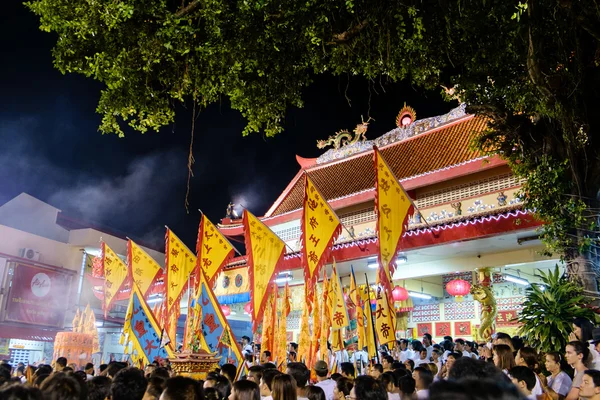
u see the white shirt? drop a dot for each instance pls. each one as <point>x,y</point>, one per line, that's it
<point>247,349</point>
<point>341,356</point>
<point>393,396</point>
<point>537,390</point>
<point>405,355</point>
<point>423,394</point>
<point>595,356</point>
<point>419,362</point>
<point>429,351</point>
<point>267,398</point>
<point>327,385</point>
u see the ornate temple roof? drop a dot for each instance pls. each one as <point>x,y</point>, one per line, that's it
<point>424,147</point>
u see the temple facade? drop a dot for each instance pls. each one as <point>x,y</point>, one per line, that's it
<point>469,218</point>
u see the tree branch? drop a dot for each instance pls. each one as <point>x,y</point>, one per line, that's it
<point>187,9</point>
<point>348,35</point>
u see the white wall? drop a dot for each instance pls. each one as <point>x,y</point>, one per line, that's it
<point>29,214</point>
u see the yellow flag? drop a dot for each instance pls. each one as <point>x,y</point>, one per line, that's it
<point>213,249</point>
<point>385,317</point>
<point>281,342</point>
<point>370,337</point>
<point>269,322</point>
<point>337,341</point>
<point>116,275</point>
<point>339,313</point>
<point>265,251</point>
<point>179,264</point>
<point>144,269</point>
<point>320,227</point>
<point>316,329</point>
<point>325,321</point>
<point>356,299</point>
<point>304,335</point>
<point>393,207</point>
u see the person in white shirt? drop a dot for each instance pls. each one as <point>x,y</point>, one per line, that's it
<point>390,381</point>
<point>89,371</point>
<point>323,380</point>
<point>528,357</point>
<point>416,346</point>
<point>524,379</point>
<point>427,343</point>
<point>265,383</point>
<point>423,379</point>
<point>360,358</point>
<point>423,359</point>
<point>405,353</point>
<point>459,347</point>
<point>246,346</point>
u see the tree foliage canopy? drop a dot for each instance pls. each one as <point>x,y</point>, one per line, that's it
<point>532,67</point>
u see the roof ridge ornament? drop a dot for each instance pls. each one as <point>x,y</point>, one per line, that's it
<point>398,134</point>
<point>344,138</point>
<point>406,116</point>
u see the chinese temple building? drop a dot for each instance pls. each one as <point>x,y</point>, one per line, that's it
<point>470,218</point>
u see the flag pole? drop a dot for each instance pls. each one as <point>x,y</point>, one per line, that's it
<point>372,322</point>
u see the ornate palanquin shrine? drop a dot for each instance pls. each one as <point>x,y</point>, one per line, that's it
<point>470,214</point>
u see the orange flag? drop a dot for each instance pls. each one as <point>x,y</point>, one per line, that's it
<point>339,312</point>
<point>369,335</point>
<point>179,265</point>
<point>320,227</point>
<point>325,321</point>
<point>393,207</point>
<point>269,322</point>
<point>116,276</point>
<point>385,316</point>
<point>356,299</point>
<point>213,249</point>
<point>316,329</point>
<point>281,342</point>
<point>265,252</point>
<point>304,335</point>
<point>144,269</point>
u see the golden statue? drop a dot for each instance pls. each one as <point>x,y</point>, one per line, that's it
<point>485,296</point>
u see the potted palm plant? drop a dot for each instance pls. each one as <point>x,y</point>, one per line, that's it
<point>549,310</point>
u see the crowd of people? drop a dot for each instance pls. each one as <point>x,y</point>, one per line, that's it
<point>505,368</point>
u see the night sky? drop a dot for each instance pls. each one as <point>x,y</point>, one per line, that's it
<point>50,146</point>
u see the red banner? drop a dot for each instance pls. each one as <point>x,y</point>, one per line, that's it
<point>38,296</point>
<point>506,318</point>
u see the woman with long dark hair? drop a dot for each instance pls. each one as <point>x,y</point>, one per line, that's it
<point>503,357</point>
<point>245,390</point>
<point>284,387</point>
<point>583,332</point>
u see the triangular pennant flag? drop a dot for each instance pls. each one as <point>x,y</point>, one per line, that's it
<point>385,317</point>
<point>213,249</point>
<point>281,342</point>
<point>144,269</point>
<point>393,207</point>
<point>116,276</point>
<point>179,264</point>
<point>369,330</point>
<point>304,336</point>
<point>216,332</point>
<point>339,312</point>
<point>143,334</point>
<point>320,227</point>
<point>356,299</point>
<point>265,251</point>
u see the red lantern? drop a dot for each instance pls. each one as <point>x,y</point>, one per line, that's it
<point>226,310</point>
<point>399,294</point>
<point>458,288</point>
<point>247,308</point>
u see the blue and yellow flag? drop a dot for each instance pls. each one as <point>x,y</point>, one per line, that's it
<point>216,332</point>
<point>142,331</point>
